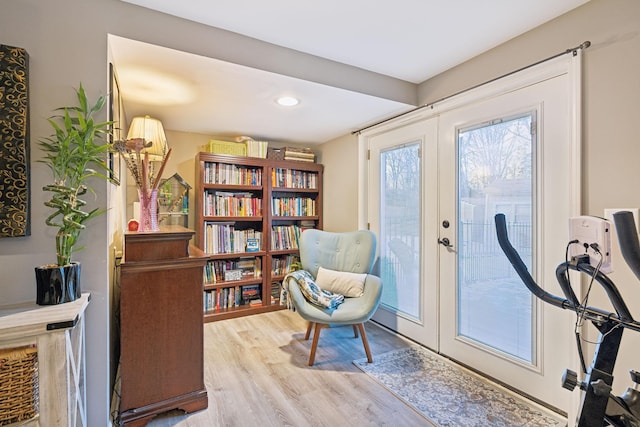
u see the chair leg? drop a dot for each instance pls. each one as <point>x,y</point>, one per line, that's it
<point>365,342</point>
<point>309,327</point>
<point>314,345</point>
<point>355,331</point>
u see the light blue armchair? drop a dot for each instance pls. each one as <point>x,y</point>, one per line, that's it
<point>352,252</point>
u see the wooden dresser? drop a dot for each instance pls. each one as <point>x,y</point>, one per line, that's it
<point>161,329</point>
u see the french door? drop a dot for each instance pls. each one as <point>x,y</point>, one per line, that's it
<point>404,213</point>
<point>435,185</point>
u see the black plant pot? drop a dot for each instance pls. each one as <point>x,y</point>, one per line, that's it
<point>57,285</point>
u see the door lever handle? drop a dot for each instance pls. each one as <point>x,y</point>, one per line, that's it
<point>445,242</point>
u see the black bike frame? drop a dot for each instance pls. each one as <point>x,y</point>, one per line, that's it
<point>599,376</point>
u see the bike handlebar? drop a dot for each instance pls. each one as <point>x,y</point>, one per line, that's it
<point>596,408</point>
<point>570,301</point>
<point>628,240</point>
<point>521,268</point>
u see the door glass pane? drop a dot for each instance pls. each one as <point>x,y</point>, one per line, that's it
<point>495,174</point>
<point>400,228</point>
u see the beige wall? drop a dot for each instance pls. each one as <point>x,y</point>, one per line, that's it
<point>340,159</point>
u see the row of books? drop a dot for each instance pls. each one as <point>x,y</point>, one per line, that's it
<point>224,298</point>
<point>284,237</point>
<point>282,265</point>
<point>291,178</point>
<point>299,154</point>
<point>223,238</point>
<point>222,173</point>
<point>275,292</point>
<point>217,271</point>
<point>293,206</point>
<point>221,203</point>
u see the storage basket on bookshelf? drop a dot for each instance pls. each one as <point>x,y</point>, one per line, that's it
<point>226,147</point>
<point>18,384</point>
<point>299,154</point>
<point>275,153</point>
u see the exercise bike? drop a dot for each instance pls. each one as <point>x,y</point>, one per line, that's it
<point>598,406</point>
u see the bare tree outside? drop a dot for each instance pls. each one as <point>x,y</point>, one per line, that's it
<point>495,165</point>
<point>494,173</point>
<point>400,230</point>
<point>499,151</point>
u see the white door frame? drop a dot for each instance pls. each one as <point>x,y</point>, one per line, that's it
<point>422,326</point>
<point>569,64</point>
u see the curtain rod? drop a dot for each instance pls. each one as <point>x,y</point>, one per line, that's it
<point>573,51</point>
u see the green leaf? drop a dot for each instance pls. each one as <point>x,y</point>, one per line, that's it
<point>75,152</point>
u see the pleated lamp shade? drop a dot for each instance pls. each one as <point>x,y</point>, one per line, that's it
<point>149,129</point>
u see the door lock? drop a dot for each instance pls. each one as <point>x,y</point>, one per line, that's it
<point>445,242</point>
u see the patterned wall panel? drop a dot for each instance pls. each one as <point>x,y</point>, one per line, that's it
<point>14,142</point>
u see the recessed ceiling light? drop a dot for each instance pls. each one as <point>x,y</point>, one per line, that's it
<point>287,101</point>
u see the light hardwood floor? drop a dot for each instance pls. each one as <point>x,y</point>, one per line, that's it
<point>256,374</point>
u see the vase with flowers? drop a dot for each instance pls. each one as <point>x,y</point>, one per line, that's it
<point>145,178</point>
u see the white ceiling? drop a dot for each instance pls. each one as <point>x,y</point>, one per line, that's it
<point>196,94</point>
<point>411,40</point>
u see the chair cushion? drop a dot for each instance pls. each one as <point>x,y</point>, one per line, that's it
<point>341,282</point>
<point>312,292</point>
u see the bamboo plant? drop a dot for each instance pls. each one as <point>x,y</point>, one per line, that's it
<point>75,152</point>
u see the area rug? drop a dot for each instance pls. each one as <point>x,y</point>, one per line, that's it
<point>451,396</point>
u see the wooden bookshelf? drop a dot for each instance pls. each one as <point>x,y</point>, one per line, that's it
<point>241,198</point>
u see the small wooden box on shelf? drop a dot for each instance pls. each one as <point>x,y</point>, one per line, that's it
<point>249,214</point>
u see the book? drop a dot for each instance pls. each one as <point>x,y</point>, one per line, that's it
<point>230,275</point>
<point>253,244</point>
<point>275,292</point>
<point>250,293</point>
